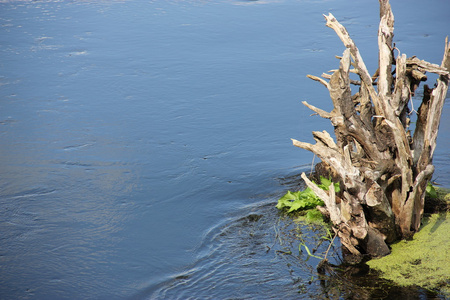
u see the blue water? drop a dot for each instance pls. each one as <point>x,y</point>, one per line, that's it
<point>133,134</point>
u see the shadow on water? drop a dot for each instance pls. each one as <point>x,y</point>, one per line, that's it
<point>361,282</point>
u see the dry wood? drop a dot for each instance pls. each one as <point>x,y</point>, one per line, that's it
<point>383,169</point>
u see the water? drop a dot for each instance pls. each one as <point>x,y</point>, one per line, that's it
<point>137,136</point>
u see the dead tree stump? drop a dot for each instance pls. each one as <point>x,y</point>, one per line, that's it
<point>384,170</point>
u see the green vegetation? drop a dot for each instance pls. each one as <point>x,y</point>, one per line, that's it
<point>305,202</point>
<point>313,216</point>
<point>431,191</point>
<point>423,261</point>
<point>301,200</point>
<point>328,237</point>
<point>443,194</point>
<point>303,205</point>
<point>303,244</point>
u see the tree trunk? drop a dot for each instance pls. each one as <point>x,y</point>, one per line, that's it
<point>383,169</point>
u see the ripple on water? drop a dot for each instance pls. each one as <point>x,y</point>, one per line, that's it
<point>245,258</point>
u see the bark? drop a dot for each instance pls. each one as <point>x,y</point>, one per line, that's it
<point>384,170</point>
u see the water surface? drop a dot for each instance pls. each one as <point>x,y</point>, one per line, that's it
<point>137,136</point>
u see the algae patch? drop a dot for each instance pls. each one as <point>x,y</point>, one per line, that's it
<point>423,261</point>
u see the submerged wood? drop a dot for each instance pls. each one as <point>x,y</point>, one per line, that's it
<point>384,170</point>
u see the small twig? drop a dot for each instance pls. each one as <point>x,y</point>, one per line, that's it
<point>352,81</point>
<point>412,107</point>
<point>312,165</point>
<point>329,246</point>
<point>324,82</point>
<point>412,104</point>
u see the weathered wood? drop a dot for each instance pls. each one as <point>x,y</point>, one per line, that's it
<point>330,200</point>
<point>385,57</point>
<point>318,111</point>
<point>383,169</point>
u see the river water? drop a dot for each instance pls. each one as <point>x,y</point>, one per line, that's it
<point>142,141</point>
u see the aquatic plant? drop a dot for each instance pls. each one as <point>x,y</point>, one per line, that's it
<point>306,199</point>
<point>431,191</point>
<point>422,261</point>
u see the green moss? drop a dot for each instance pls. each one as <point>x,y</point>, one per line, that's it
<point>423,261</point>
<point>443,193</point>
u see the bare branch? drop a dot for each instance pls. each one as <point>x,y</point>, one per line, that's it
<point>385,35</point>
<point>318,79</point>
<point>319,111</point>
<point>426,66</point>
<point>354,82</point>
<point>325,138</point>
<point>359,63</point>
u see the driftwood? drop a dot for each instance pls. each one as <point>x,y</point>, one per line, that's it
<point>384,170</point>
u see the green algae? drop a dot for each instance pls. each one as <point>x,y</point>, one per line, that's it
<point>423,261</point>
<point>443,193</point>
